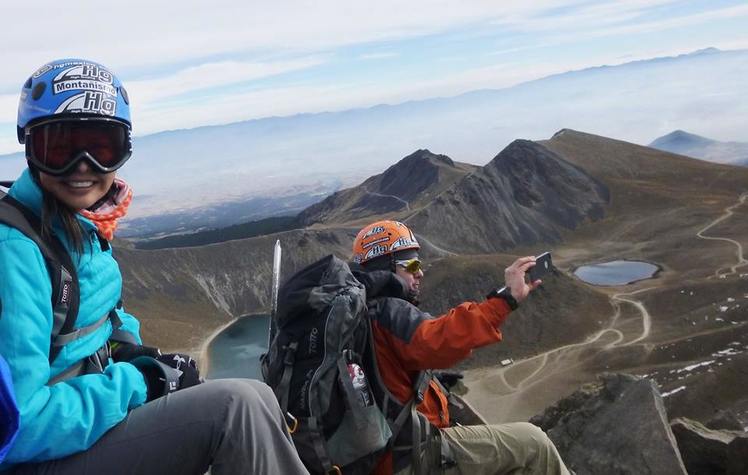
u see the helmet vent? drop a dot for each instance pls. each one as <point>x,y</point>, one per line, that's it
<point>38,90</point>
<point>125,97</point>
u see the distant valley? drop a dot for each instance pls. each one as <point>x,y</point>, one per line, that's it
<point>209,177</point>
<point>585,197</point>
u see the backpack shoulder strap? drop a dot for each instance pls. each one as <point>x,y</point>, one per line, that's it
<point>65,296</point>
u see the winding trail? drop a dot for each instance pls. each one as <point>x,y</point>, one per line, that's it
<point>646,317</point>
<point>536,368</point>
<point>440,249</point>
<point>407,205</point>
<point>739,252</point>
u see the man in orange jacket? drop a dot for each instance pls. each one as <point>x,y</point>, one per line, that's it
<point>408,341</point>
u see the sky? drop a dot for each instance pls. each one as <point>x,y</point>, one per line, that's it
<point>192,63</point>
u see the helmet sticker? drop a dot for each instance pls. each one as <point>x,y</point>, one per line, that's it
<point>91,102</point>
<point>41,70</point>
<point>85,76</point>
<point>403,242</point>
<point>377,241</point>
<point>375,251</point>
<point>373,231</point>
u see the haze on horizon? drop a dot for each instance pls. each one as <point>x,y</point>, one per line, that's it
<point>208,64</point>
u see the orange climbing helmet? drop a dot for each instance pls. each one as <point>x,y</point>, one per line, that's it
<point>382,238</point>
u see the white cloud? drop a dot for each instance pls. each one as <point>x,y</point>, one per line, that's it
<point>322,98</point>
<point>378,55</point>
<point>170,56</point>
<point>8,108</point>
<point>676,22</point>
<point>146,33</point>
<point>209,75</point>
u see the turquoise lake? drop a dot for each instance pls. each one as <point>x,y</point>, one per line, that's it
<point>616,272</point>
<point>235,352</point>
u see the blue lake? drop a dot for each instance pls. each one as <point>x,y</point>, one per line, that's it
<point>616,272</point>
<point>235,352</point>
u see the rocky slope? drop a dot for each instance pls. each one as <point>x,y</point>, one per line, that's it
<point>409,184</point>
<point>181,295</point>
<point>526,195</point>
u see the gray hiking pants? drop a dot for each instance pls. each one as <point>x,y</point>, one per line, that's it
<point>516,448</point>
<point>231,426</point>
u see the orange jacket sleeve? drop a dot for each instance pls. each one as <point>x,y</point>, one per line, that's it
<point>424,342</point>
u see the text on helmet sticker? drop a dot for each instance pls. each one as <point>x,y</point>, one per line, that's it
<point>375,251</point>
<point>85,76</point>
<point>89,101</point>
<point>373,231</point>
<point>403,242</point>
<point>377,241</point>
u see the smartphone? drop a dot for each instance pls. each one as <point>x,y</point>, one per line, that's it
<point>543,265</point>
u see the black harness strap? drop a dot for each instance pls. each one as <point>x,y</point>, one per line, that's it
<point>281,392</point>
<point>65,295</point>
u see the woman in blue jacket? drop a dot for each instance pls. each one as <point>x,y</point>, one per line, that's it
<point>89,404</point>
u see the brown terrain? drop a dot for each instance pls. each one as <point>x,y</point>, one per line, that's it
<point>587,198</point>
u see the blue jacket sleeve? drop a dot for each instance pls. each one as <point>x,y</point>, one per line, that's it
<point>67,417</point>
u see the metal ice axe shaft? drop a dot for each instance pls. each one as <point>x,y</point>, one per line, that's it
<point>277,251</point>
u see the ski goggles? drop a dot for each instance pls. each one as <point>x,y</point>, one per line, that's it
<point>411,265</point>
<point>56,147</point>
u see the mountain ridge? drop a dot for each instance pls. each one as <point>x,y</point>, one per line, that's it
<point>401,188</point>
<point>524,195</point>
<point>703,148</point>
<point>267,158</point>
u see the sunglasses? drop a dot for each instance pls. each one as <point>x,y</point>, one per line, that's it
<point>56,147</point>
<point>411,265</point>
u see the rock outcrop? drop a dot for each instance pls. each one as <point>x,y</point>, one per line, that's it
<point>711,451</point>
<point>616,426</point>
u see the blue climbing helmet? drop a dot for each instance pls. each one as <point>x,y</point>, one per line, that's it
<point>78,94</point>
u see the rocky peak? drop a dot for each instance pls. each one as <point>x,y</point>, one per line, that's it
<point>679,139</point>
<point>401,188</point>
<point>525,195</point>
<point>618,425</point>
<point>412,175</point>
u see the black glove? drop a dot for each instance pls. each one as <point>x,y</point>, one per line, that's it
<point>165,374</point>
<point>127,351</point>
<point>448,378</point>
<point>184,363</point>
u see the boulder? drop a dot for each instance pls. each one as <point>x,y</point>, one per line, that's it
<point>615,426</point>
<point>703,450</point>
<point>737,455</point>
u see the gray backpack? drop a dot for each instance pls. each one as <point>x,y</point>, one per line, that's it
<point>321,366</point>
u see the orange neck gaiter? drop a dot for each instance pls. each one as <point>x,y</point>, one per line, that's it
<point>106,214</point>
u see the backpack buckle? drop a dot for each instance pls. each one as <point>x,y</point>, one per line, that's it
<point>291,422</point>
<point>289,354</point>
